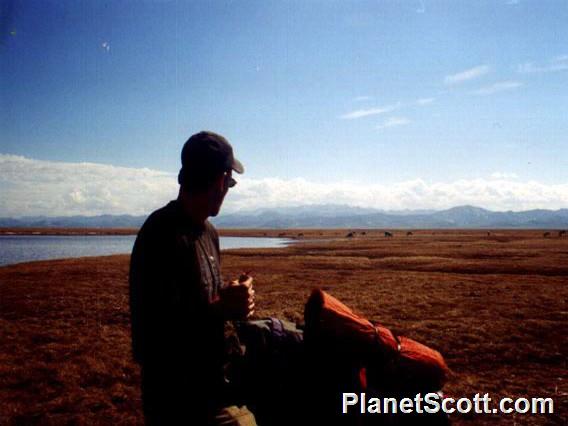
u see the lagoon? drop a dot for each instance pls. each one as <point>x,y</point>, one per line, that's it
<point>27,248</point>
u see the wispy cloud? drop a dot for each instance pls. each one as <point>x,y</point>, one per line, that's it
<point>559,63</point>
<point>35,187</point>
<point>424,101</point>
<point>501,86</point>
<point>360,113</point>
<point>362,98</point>
<point>393,122</point>
<point>466,75</point>
<point>370,111</point>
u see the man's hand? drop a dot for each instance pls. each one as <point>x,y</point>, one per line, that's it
<point>236,300</point>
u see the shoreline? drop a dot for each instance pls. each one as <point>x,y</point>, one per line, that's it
<point>305,233</point>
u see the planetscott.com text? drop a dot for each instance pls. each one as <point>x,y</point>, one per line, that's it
<point>432,403</point>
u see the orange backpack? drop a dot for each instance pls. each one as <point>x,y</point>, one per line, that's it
<point>388,362</point>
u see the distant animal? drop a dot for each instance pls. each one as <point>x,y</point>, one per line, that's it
<point>409,233</point>
<point>364,233</point>
<point>301,234</point>
<point>562,233</point>
<point>350,235</point>
<point>388,234</point>
<point>546,234</point>
<point>488,233</point>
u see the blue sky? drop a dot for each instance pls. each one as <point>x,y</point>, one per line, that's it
<point>328,97</point>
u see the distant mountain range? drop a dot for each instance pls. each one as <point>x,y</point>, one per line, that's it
<point>102,221</point>
<point>329,216</point>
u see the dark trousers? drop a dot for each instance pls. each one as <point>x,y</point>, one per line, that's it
<point>169,398</point>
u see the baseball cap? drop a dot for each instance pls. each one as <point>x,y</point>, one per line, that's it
<point>207,153</point>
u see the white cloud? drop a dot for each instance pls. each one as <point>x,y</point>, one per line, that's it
<point>559,63</point>
<point>466,75</point>
<point>501,86</point>
<point>35,187</point>
<point>393,122</point>
<point>370,111</point>
<point>495,194</point>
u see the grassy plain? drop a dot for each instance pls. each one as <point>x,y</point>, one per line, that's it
<point>494,304</point>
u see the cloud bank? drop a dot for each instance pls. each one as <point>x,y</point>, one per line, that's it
<point>31,187</point>
<point>492,193</point>
<point>34,187</point>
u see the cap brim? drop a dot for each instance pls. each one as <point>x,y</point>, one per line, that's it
<point>238,166</point>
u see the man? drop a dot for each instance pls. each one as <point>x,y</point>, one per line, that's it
<point>178,302</point>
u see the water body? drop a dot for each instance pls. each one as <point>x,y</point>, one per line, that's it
<point>26,248</point>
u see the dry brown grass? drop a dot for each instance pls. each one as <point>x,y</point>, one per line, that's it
<point>495,306</point>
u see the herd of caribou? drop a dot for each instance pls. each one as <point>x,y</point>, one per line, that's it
<point>561,234</point>
<point>388,234</point>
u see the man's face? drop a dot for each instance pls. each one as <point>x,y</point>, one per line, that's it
<point>219,191</point>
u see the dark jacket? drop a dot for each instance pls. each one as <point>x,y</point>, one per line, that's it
<point>174,278</point>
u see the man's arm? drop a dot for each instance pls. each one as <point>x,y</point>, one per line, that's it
<point>137,297</point>
<point>235,300</point>
<point>148,301</point>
